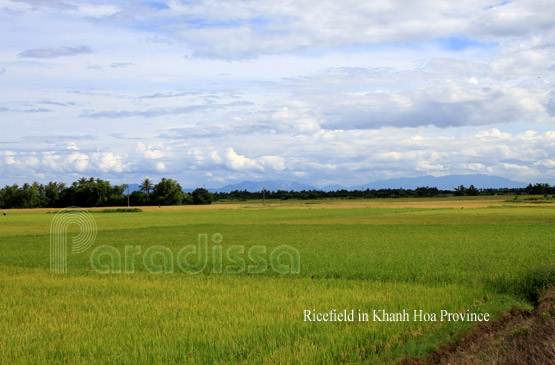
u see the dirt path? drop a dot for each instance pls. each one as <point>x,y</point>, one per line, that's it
<point>517,338</point>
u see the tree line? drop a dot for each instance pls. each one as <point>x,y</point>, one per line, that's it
<point>419,192</point>
<point>94,192</point>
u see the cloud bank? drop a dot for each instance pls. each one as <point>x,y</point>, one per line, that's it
<point>54,52</point>
<point>320,92</point>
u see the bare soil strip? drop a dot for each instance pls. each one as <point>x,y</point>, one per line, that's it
<point>519,337</point>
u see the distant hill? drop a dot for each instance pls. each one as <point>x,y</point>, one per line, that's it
<point>268,185</point>
<point>133,187</point>
<point>448,182</point>
<point>335,187</point>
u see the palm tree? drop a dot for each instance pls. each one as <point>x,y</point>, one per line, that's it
<point>146,185</point>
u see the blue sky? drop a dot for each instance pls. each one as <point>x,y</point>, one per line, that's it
<point>320,92</point>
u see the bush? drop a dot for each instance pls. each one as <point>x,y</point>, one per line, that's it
<point>202,196</point>
<point>118,210</point>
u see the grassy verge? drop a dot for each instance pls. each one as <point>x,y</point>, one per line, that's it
<point>518,337</point>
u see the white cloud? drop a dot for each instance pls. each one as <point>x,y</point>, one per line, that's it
<point>296,120</point>
<point>528,135</point>
<point>514,18</point>
<point>240,162</point>
<point>493,133</point>
<point>160,167</point>
<point>97,11</point>
<point>149,151</point>
<point>107,161</point>
<point>72,146</point>
<point>154,154</point>
<point>77,161</point>
<point>549,163</point>
<point>273,162</point>
<point>13,6</point>
<point>327,23</point>
<point>50,160</point>
<point>478,167</point>
<point>32,162</point>
<point>215,157</point>
<point>9,158</point>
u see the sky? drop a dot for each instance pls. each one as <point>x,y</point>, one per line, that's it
<point>316,91</point>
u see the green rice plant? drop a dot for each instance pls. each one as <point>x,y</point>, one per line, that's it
<point>485,260</point>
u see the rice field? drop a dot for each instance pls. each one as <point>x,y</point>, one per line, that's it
<point>362,255</point>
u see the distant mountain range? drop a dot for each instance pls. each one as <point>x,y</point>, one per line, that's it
<point>448,182</point>
<point>268,185</point>
<point>133,187</point>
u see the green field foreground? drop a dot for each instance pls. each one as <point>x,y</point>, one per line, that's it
<point>360,255</point>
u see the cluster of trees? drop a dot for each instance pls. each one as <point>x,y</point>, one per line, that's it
<point>539,189</point>
<point>342,194</point>
<point>168,192</point>
<point>98,193</point>
<point>470,191</point>
<point>420,192</point>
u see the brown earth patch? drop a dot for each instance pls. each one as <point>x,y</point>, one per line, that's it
<point>519,337</point>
